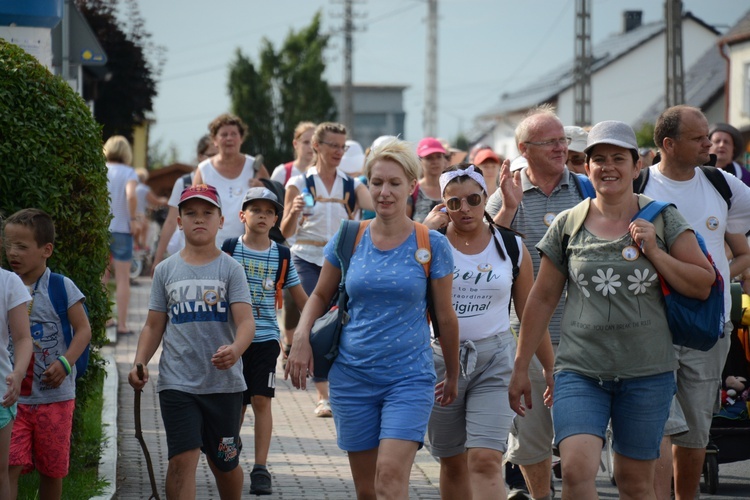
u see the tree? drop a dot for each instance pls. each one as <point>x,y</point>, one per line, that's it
<point>645,136</point>
<point>288,88</point>
<point>122,101</point>
<point>52,159</point>
<point>251,101</point>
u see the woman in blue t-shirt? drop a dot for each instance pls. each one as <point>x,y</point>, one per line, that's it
<point>382,384</point>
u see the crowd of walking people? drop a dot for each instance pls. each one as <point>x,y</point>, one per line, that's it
<point>497,312</point>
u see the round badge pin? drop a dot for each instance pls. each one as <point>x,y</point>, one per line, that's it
<point>423,255</point>
<point>484,268</point>
<point>712,223</point>
<point>268,284</point>
<point>630,253</point>
<point>210,297</point>
<point>548,218</point>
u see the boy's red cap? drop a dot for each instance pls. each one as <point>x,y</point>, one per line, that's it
<point>201,191</point>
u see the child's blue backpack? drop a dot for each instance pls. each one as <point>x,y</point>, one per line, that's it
<point>694,323</point>
<point>59,298</point>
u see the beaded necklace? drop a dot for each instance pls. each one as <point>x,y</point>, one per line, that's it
<point>266,282</point>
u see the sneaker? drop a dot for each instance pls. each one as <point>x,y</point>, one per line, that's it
<point>518,494</point>
<point>260,482</point>
<point>323,409</point>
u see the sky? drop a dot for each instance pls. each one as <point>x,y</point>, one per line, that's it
<point>485,48</point>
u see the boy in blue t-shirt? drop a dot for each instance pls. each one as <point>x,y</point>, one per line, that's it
<point>259,256</point>
<point>41,434</point>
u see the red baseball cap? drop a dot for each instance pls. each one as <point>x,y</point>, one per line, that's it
<point>485,154</point>
<point>200,191</point>
<point>429,145</point>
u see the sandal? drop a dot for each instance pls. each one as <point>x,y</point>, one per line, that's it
<point>260,482</point>
<point>323,409</point>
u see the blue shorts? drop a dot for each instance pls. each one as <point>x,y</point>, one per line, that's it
<point>365,412</point>
<point>121,246</point>
<point>638,408</point>
<point>7,415</point>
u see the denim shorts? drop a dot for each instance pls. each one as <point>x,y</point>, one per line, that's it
<point>121,246</point>
<point>365,412</point>
<point>638,408</point>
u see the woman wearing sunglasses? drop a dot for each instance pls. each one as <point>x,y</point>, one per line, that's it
<point>469,436</point>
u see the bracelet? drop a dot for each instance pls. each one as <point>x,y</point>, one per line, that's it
<point>65,364</point>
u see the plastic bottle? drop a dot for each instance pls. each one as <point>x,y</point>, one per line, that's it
<point>309,202</point>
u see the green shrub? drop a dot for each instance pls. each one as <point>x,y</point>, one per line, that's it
<point>51,158</point>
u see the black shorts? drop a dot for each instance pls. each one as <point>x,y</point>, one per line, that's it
<point>259,369</point>
<point>210,422</point>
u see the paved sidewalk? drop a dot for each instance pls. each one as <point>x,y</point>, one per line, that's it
<point>304,460</point>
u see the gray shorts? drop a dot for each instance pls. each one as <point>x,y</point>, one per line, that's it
<point>480,416</point>
<point>530,438</point>
<point>697,399</point>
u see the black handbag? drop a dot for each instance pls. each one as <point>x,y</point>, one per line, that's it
<point>326,331</point>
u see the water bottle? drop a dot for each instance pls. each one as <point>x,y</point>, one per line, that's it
<point>307,211</point>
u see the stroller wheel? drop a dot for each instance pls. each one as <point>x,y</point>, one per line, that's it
<point>711,472</point>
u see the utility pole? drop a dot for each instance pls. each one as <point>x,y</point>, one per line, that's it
<point>429,121</point>
<point>347,91</point>
<point>346,113</point>
<point>582,88</point>
<point>675,91</point>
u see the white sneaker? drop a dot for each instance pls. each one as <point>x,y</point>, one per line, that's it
<point>323,409</point>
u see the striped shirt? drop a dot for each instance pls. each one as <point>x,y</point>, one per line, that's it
<point>532,219</point>
<point>260,269</point>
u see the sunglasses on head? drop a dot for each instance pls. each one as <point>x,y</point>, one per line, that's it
<point>454,204</point>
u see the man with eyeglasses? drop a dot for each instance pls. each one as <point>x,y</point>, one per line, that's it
<point>528,200</point>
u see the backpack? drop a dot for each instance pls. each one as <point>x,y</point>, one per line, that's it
<point>584,186</point>
<point>712,174</point>
<point>59,298</point>
<point>288,171</point>
<point>350,197</point>
<point>694,323</point>
<point>282,270</point>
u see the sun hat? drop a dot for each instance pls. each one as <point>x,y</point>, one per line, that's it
<point>429,145</point>
<point>202,192</point>
<point>354,158</point>
<point>485,154</point>
<point>612,132</point>
<point>577,138</point>
<point>261,193</point>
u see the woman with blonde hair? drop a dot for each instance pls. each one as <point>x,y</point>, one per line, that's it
<point>382,383</point>
<point>121,183</point>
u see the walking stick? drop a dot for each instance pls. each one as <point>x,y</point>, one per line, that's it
<point>139,436</point>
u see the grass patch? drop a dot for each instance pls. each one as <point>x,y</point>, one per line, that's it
<point>82,481</point>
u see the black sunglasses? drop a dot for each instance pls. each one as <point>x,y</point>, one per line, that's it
<point>454,204</point>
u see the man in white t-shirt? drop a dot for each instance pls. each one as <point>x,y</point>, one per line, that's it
<point>681,134</point>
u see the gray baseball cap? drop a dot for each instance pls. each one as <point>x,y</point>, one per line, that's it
<point>261,193</point>
<point>612,132</point>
